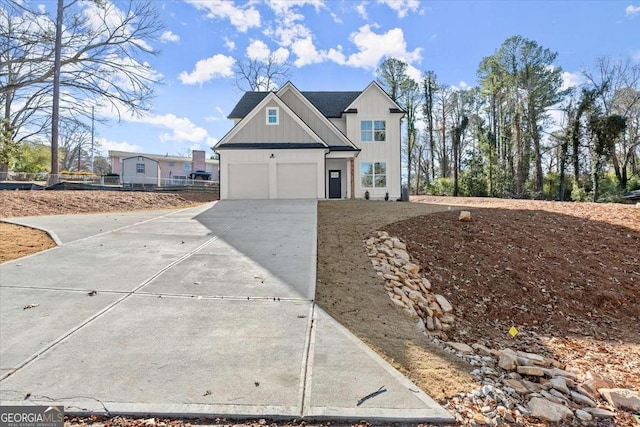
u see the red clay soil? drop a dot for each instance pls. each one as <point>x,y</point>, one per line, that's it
<point>569,283</point>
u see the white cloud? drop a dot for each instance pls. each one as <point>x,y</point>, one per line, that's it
<point>336,18</point>
<point>463,84</point>
<point>106,145</point>
<point>283,7</point>
<point>229,44</point>
<point>220,116</point>
<point>571,80</point>
<point>361,8</point>
<point>373,47</point>
<point>306,52</point>
<point>169,36</point>
<point>632,10</point>
<point>281,55</point>
<point>259,50</point>
<point>242,18</point>
<point>206,69</point>
<point>415,74</point>
<point>181,128</point>
<point>402,7</point>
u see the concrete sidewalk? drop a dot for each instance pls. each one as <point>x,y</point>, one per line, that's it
<point>205,311</point>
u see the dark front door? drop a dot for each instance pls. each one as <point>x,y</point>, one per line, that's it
<point>335,184</point>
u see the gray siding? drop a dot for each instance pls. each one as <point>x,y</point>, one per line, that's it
<point>256,130</point>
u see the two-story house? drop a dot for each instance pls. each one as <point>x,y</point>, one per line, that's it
<point>290,144</point>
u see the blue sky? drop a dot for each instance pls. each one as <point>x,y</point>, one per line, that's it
<point>336,45</point>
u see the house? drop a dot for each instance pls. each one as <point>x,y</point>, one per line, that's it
<point>140,170</point>
<point>174,170</point>
<point>291,144</point>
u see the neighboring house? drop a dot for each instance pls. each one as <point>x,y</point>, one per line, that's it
<point>290,144</point>
<point>140,170</point>
<point>174,170</point>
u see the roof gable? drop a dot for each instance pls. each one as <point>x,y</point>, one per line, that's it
<point>323,125</point>
<point>270,97</point>
<point>393,106</point>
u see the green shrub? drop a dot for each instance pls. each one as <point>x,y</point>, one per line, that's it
<point>633,183</point>
<point>578,194</point>
<point>441,187</point>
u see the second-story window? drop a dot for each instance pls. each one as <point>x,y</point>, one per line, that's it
<point>272,116</point>
<point>373,130</point>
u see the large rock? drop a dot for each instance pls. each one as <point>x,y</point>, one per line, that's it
<point>465,216</point>
<point>411,268</point>
<point>582,399</point>
<point>461,347</point>
<point>531,370</point>
<point>444,304</point>
<point>508,359</point>
<point>545,410</point>
<point>516,385</point>
<point>621,398</point>
<point>600,413</point>
<point>583,415</point>
<point>559,384</point>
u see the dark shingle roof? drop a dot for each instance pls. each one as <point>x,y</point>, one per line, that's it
<point>331,104</point>
<point>248,101</point>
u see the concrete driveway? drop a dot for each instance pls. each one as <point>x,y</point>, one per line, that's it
<point>206,311</point>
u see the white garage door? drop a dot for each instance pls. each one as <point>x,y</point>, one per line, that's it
<point>297,180</point>
<point>248,181</point>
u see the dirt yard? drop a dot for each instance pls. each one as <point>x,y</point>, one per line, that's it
<point>19,241</point>
<point>566,275</point>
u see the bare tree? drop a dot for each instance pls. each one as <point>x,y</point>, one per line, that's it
<point>261,74</point>
<point>101,45</point>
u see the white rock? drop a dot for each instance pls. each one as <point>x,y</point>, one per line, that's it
<point>461,347</point>
<point>581,398</point>
<point>559,384</point>
<point>465,216</point>
<point>508,359</point>
<point>545,410</point>
<point>444,304</point>
<point>583,415</point>
<point>430,325</point>
<point>600,413</point>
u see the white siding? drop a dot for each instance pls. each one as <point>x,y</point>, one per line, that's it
<point>341,124</point>
<point>306,157</point>
<point>374,105</point>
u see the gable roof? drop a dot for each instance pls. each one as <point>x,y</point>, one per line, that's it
<point>330,104</point>
<point>269,96</point>
<point>395,109</point>
<point>340,140</point>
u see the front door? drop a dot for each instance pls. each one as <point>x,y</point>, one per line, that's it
<point>335,184</point>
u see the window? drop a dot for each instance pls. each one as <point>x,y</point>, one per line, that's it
<point>373,130</point>
<point>172,164</point>
<point>272,115</point>
<point>373,175</point>
<point>186,167</point>
<point>139,167</point>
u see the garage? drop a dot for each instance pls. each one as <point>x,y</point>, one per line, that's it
<point>297,180</point>
<point>250,181</point>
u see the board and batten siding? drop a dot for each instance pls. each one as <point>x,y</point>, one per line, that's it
<point>374,105</point>
<point>287,130</point>
<point>317,124</point>
<point>307,157</point>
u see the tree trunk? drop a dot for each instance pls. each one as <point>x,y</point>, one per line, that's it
<point>55,114</point>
